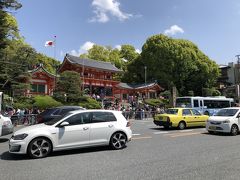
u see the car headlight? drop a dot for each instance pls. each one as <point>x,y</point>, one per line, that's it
<point>20,136</point>
<point>226,121</point>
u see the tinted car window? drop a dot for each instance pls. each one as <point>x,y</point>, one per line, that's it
<point>64,111</point>
<point>186,112</point>
<point>172,111</point>
<point>53,121</point>
<point>57,112</point>
<point>195,112</point>
<point>47,112</point>
<point>81,118</point>
<point>102,117</point>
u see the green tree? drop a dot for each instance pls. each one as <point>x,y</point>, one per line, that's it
<point>174,62</point>
<point>128,52</point>
<point>68,87</point>
<point>7,26</point>
<point>98,53</point>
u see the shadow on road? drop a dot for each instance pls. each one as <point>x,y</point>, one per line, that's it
<point>161,128</point>
<point>18,157</point>
<point>80,151</point>
<point>2,140</point>
<point>13,157</point>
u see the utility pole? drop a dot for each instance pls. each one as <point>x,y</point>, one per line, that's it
<point>238,78</point>
<point>145,73</point>
<point>238,64</point>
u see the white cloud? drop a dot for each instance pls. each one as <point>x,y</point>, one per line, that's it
<point>104,8</point>
<point>173,30</point>
<point>83,49</point>
<point>119,47</point>
<point>138,51</point>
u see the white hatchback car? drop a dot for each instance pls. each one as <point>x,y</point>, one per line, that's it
<point>226,120</point>
<point>6,126</point>
<point>80,128</point>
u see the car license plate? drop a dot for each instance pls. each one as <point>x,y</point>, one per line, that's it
<point>212,127</point>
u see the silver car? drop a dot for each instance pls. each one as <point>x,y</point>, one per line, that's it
<point>6,126</point>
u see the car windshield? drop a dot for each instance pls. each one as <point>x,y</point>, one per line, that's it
<point>226,112</point>
<point>172,111</point>
<point>53,121</point>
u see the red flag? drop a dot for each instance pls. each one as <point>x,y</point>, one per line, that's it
<point>49,43</point>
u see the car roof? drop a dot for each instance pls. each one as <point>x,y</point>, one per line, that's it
<point>96,110</point>
<point>180,108</point>
<point>67,107</point>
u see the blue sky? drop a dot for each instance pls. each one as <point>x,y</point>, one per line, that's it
<point>213,25</point>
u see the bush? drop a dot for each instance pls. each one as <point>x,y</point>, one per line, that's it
<point>43,102</point>
<point>89,103</point>
<point>155,102</point>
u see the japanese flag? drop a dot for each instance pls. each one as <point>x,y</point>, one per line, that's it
<point>49,43</point>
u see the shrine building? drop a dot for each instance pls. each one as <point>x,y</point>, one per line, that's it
<point>98,78</point>
<point>42,82</point>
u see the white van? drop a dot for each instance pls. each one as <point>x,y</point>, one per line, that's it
<point>6,126</point>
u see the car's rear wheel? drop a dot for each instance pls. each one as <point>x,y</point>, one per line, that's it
<point>234,130</point>
<point>118,140</point>
<point>166,127</point>
<point>39,148</point>
<point>181,125</point>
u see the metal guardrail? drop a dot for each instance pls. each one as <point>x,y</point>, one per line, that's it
<point>139,115</point>
<point>28,119</point>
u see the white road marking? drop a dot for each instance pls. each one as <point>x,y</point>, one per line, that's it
<point>136,134</point>
<point>163,132</point>
<point>186,130</point>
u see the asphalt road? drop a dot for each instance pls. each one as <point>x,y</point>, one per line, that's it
<point>154,153</point>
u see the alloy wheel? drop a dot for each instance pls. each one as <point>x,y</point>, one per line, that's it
<point>39,148</point>
<point>118,140</point>
<point>234,130</point>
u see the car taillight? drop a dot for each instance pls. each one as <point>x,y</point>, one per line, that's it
<point>128,124</point>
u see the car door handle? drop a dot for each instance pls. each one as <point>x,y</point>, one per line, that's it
<point>110,125</point>
<point>85,128</point>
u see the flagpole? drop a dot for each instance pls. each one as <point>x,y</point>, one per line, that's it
<point>55,46</point>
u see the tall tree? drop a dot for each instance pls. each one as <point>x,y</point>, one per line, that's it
<point>5,28</point>
<point>128,52</point>
<point>174,62</point>
<point>68,86</point>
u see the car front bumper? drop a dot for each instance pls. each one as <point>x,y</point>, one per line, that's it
<point>226,128</point>
<point>17,146</point>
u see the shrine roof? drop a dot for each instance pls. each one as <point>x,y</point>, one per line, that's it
<point>92,63</point>
<point>137,86</point>
<point>39,68</point>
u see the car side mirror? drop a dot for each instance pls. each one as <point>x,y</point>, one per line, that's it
<point>63,124</point>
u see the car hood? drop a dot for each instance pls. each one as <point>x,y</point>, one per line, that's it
<point>30,128</point>
<point>219,118</point>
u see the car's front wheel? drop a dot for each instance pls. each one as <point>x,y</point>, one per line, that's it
<point>118,140</point>
<point>39,148</point>
<point>234,130</point>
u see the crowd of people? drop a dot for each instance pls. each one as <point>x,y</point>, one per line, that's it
<point>23,116</point>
